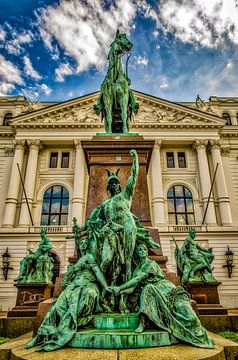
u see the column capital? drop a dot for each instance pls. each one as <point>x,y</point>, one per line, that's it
<point>19,144</point>
<point>34,144</point>
<point>215,144</point>
<point>200,144</point>
<point>77,144</point>
<point>158,144</point>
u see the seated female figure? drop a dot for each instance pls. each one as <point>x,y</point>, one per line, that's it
<point>76,305</point>
<point>165,305</point>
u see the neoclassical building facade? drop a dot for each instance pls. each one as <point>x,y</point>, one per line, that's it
<point>40,147</point>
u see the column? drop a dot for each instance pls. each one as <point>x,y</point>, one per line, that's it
<point>29,183</point>
<point>220,181</point>
<point>14,185</point>
<point>157,186</point>
<point>78,200</point>
<point>205,180</point>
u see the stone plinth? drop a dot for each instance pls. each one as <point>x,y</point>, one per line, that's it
<point>28,298</point>
<point>206,296</point>
<point>113,152</point>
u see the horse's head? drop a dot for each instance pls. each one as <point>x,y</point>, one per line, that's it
<point>122,43</point>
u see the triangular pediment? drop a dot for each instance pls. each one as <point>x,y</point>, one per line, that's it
<point>153,112</point>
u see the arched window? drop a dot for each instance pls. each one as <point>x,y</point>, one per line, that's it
<point>227,117</point>
<point>7,118</point>
<point>55,206</point>
<point>180,205</point>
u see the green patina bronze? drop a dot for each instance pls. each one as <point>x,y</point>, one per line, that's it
<point>37,267</point>
<point>194,261</point>
<point>116,102</point>
<point>115,296</point>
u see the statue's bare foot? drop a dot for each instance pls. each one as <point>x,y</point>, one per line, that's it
<point>32,343</point>
<point>140,328</point>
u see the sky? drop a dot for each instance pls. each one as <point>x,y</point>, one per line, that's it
<point>55,50</point>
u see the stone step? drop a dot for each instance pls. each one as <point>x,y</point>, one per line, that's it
<point>121,339</point>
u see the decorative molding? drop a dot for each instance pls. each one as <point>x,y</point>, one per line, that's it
<point>9,150</point>
<point>153,113</point>
<point>225,151</point>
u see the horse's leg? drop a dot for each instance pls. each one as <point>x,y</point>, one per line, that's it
<point>123,105</point>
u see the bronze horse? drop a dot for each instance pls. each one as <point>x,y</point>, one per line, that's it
<point>116,101</point>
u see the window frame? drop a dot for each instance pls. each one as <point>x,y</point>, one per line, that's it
<point>49,213</point>
<point>177,213</point>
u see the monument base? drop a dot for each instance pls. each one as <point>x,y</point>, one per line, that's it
<point>117,331</point>
<point>121,339</point>
<point>206,296</point>
<point>28,298</point>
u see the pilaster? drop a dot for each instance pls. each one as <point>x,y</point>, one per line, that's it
<point>205,180</point>
<point>14,184</point>
<point>78,199</point>
<point>29,183</point>
<point>157,186</point>
<point>220,181</point>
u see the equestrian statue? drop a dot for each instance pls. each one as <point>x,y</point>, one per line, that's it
<point>116,102</point>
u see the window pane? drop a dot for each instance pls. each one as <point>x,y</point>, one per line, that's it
<point>53,160</point>
<point>181,160</point>
<point>56,191</point>
<point>54,220</point>
<point>180,206</point>
<point>44,219</point>
<point>170,159</point>
<point>191,219</point>
<point>171,205</point>
<point>171,192</point>
<point>179,191</point>
<point>65,193</point>
<point>181,219</point>
<point>46,206</point>
<point>65,160</point>
<point>64,220</point>
<point>55,206</point>
<point>172,219</point>
<point>187,192</point>
<point>48,193</point>
<point>65,205</point>
<point>189,204</point>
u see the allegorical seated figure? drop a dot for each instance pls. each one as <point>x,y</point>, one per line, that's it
<point>161,304</point>
<point>76,305</point>
<point>37,267</point>
<point>194,261</point>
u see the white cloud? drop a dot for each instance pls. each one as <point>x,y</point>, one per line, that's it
<point>9,76</point>
<point>15,45</point>
<point>141,60</point>
<point>29,70</point>
<point>46,89</point>
<point>201,22</point>
<point>2,34</point>
<point>84,31</point>
<point>62,71</point>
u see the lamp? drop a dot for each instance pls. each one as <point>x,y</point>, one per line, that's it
<point>6,262</point>
<point>229,261</point>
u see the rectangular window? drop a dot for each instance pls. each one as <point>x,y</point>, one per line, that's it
<point>53,159</point>
<point>170,159</point>
<point>181,160</point>
<point>65,160</point>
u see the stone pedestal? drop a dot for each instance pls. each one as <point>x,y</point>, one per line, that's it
<point>28,298</point>
<point>112,153</point>
<point>206,297</point>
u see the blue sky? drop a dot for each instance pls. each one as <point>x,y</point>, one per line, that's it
<point>56,50</point>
